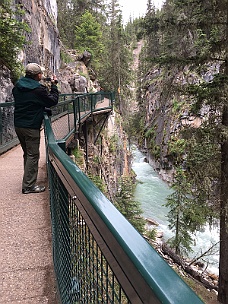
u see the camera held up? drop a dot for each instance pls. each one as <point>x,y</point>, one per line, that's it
<point>50,79</point>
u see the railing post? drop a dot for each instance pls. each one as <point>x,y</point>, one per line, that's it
<point>79,108</point>
<point>86,143</point>
<point>68,116</point>
<point>62,144</point>
<point>75,114</point>
<point>92,102</point>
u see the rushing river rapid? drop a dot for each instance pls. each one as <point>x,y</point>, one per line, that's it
<point>151,192</point>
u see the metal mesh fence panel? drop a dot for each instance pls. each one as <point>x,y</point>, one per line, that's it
<point>83,273</point>
<point>7,132</point>
<point>70,110</point>
<point>63,121</point>
<point>98,256</point>
<point>96,282</point>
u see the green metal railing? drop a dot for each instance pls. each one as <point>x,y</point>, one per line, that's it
<point>8,137</point>
<point>98,256</point>
<point>71,110</point>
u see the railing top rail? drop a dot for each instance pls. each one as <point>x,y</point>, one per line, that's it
<point>160,277</point>
<point>87,94</point>
<point>6,104</point>
<point>81,103</point>
<point>72,95</point>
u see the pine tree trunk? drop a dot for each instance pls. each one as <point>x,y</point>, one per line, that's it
<point>177,241</point>
<point>223,264</point>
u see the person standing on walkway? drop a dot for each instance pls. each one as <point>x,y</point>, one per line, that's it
<point>31,98</point>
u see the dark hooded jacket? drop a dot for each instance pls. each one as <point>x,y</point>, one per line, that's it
<point>31,98</point>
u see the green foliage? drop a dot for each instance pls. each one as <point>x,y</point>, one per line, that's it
<point>98,182</point>
<point>134,127</point>
<point>12,37</point>
<point>127,206</point>
<point>97,27</point>
<point>113,143</point>
<point>156,151</point>
<point>116,70</point>
<point>66,58</point>
<point>134,30</point>
<point>151,234</point>
<point>150,133</point>
<point>89,37</point>
<point>69,14</point>
<point>184,215</point>
<point>195,200</point>
<point>79,156</point>
<point>203,167</point>
<point>207,93</point>
<point>176,106</point>
<point>202,43</point>
<point>177,147</point>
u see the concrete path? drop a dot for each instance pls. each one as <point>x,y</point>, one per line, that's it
<point>26,268</point>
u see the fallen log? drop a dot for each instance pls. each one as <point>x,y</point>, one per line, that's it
<point>175,257</point>
<point>188,269</point>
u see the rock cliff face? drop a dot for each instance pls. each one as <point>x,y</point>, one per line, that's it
<point>109,157</point>
<point>167,112</point>
<point>44,47</point>
<point>6,85</point>
<point>159,120</point>
<point>43,44</point>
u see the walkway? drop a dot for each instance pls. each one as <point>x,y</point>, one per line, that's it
<point>26,270</point>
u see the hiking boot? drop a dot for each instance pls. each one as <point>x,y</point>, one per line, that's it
<point>34,189</point>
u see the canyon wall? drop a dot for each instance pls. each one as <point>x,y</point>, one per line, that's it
<point>43,44</point>
<point>167,111</point>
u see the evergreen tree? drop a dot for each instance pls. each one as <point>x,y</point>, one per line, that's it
<point>99,29</point>
<point>69,14</point>
<point>193,35</point>
<point>117,58</point>
<point>127,206</point>
<point>89,37</point>
<point>66,22</point>
<point>210,21</point>
<point>151,27</point>
<point>185,217</point>
<point>111,71</point>
<point>12,36</point>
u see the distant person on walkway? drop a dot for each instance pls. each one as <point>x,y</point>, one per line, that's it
<point>31,98</point>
